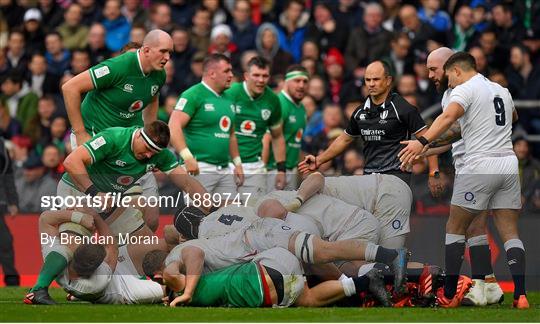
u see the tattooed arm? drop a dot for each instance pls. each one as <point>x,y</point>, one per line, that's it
<point>453,134</point>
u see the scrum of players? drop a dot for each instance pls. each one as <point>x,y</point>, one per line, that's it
<point>334,240</point>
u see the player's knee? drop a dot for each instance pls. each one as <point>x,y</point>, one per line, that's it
<point>303,247</point>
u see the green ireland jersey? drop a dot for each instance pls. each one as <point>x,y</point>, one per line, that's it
<point>121,92</point>
<point>238,285</point>
<point>208,132</point>
<point>294,123</point>
<point>254,116</point>
<point>114,167</point>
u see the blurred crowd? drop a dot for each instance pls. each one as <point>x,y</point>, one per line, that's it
<point>44,43</point>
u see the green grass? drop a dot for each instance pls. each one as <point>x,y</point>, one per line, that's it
<point>13,310</point>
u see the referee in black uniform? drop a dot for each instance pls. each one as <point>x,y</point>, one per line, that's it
<point>383,121</point>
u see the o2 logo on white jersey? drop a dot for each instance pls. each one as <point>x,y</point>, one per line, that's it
<point>247,126</point>
<point>136,106</point>
<point>298,135</point>
<point>265,114</point>
<point>125,180</point>
<point>225,123</point>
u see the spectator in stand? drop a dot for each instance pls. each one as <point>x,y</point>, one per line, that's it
<point>523,76</point>
<point>182,52</point>
<point>137,34</point>
<point>426,89</point>
<point>480,17</point>
<point>92,11</point>
<point>12,12</point>
<point>334,65</point>
<point>481,60</point>
<point>51,13</point>
<point>21,101</point>
<point>317,90</point>
<point>196,70</point>
<point>20,151</point>
<point>160,17</point>
<point>200,31</point>
<point>496,56</point>
<point>348,12</point>
<point>59,129</point>
<point>74,34</point>
<point>353,163</point>
<point>96,44</point>
<point>267,43</point>
<point>116,26</point>
<point>41,123</point>
<point>369,41</point>
<point>463,34</point>
<point>292,28</point>
<point>182,11</point>
<point>134,12</point>
<point>40,81</point>
<point>417,31</point>
<point>218,14</point>
<point>498,77</point>
<point>407,86</point>
<point>314,119</point>
<point>431,13</point>
<point>529,168</point>
<point>58,58</point>
<point>243,29</point>
<point>52,161</point>
<point>16,51</point>
<point>165,111</point>
<point>34,184</point>
<point>9,126</point>
<point>400,58</point>
<point>172,85</point>
<point>221,41</point>
<point>33,31</point>
<point>325,30</point>
<point>508,30</point>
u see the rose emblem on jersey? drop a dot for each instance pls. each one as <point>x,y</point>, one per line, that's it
<point>247,126</point>
<point>136,106</point>
<point>225,123</point>
<point>265,114</point>
<point>125,180</point>
<point>298,136</point>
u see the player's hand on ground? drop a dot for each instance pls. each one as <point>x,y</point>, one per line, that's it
<point>13,210</point>
<point>437,186</point>
<point>192,166</point>
<point>239,175</point>
<point>281,180</point>
<point>87,221</point>
<point>181,300</point>
<point>309,164</point>
<point>409,153</point>
<point>82,137</point>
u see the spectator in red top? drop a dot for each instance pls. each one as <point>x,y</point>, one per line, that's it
<point>334,65</point>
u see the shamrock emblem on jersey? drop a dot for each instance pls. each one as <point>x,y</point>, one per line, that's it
<point>298,136</point>
<point>154,89</point>
<point>247,126</point>
<point>125,180</point>
<point>136,106</point>
<point>265,114</point>
<point>225,123</point>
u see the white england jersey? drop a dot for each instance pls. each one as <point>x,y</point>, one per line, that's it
<point>486,126</point>
<point>458,148</point>
<point>226,220</point>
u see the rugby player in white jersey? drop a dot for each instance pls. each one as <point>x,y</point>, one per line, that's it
<point>485,289</point>
<point>489,179</point>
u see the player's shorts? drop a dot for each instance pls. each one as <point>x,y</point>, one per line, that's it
<point>217,179</point>
<point>149,185</point>
<point>362,225</point>
<point>219,252</point>
<point>127,286</point>
<point>254,179</point>
<point>291,176</point>
<point>292,283</point>
<point>488,182</point>
<point>393,207</point>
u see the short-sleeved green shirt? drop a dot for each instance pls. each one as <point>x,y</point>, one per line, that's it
<point>114,167</point>
<point>208,132</point>
<point>294,123</point>
<point>254,116</point>
<point>238,285</point>
<point>121,92</point>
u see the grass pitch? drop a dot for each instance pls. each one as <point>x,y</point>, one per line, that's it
<point>13,310</point>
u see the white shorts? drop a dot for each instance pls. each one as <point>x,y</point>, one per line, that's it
<point>361,226</point>
<point>393,207</point>
<point>127,286</point>
<point>291,176</point>
<point>149,185</point>
<point>216,179</point>
<point>254,179</point>
<point>488,183</point>
<point>289,267</point>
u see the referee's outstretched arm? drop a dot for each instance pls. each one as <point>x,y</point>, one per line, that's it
<point>311,162</point>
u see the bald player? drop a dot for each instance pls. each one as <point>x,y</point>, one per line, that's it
<point>120,92</point>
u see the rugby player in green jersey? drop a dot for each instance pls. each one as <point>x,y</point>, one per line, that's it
<point>202,129</point>
<point>120,92</point>
<point>294,119</point>
<point>257,111</point>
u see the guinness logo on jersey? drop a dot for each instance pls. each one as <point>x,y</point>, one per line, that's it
<point>225,123</point>
<point>136,106</point>
<point>154,90</point>
<point>125,180</point>
<point>265,114</point>
<point>298,136</point>
<point>247,126</point>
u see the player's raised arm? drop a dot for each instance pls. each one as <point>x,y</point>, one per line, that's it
<point>312,185</point>
<point>112,247</point>
<point>311,163</point>
<point>72,92</point>
<point>75,165</point>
